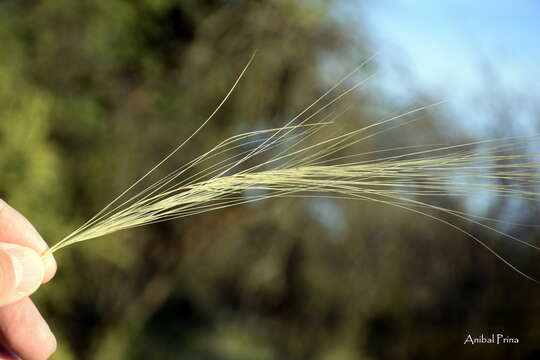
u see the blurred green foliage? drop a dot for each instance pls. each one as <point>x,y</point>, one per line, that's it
<point>94,92</point>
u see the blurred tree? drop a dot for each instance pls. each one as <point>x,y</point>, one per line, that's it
<point>93,93</point>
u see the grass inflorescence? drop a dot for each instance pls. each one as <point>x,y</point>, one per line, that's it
<point>305,158</point>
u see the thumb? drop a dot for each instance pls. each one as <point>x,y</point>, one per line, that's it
<point>21,272</point>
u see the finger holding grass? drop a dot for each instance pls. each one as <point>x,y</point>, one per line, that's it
<point>23,331</point>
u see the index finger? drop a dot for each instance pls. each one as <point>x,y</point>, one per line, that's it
<point>16,229</point>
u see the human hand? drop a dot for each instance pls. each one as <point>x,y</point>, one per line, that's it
<point>22,270</point>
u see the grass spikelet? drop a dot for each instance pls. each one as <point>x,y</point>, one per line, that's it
<point>304,158</point>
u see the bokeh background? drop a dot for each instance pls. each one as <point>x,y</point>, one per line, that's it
<point>94,92</point>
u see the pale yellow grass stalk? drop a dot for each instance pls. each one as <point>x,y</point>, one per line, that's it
<point>296,160</point>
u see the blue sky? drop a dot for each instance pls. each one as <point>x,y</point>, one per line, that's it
<point>446,43</point>
<point>457,50</point>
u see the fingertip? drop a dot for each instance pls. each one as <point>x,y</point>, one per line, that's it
<point>16,229</point>
<point>50,267</point>
<point>22,272</point>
